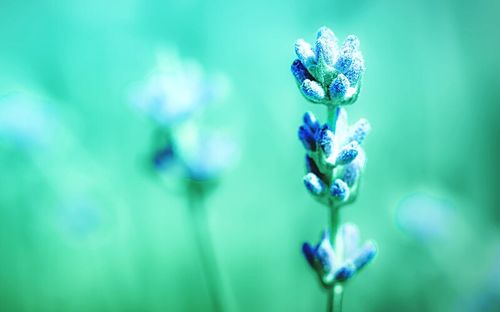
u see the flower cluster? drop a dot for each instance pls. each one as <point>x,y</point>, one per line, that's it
<point>330,75</point>
<point>171,97</point>
<point>334,157</point>
<point>326,73</point>
<point>341,264</point>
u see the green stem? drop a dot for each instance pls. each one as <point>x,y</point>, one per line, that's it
<point>332,117</point>
<point>338,291</point>
<point>330,300</point>
<point>334,300</point>
<point>205,247</point>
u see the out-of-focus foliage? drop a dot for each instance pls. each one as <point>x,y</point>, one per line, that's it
<point>83,227</point>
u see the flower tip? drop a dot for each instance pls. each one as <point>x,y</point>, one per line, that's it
<point>352,42</point>
<point>312,90</point>
<point>356,69</point>
<point>311,121</point>
<point>307,138</point>
<point>339,86</point>
<point>339,190</point>
<point>324,31</point>
<point>308,252</point>
<point>326,139</point>
<point>366,254</point>
<point>359,131</point>
<point>314,184</point>
<point>348,153</point>
<point>299,71</point>
<point>304,52</point>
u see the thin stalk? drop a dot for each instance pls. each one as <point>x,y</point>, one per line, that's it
<point>330,300</point>
<point>204,245</point>
<point>332,117</point>
<point>338,292</point>
<point>334,295</point>
<point>334,299</point>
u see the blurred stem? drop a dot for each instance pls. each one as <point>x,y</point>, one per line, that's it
<point>204,243</point>
<point>330,299</point>
<point>338,291</point>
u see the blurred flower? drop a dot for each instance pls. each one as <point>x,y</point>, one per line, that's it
<point>334,160</point>
<point>342,262</point>
<point>204,155</point>
<point>171,97</point>
<point>327,73</point>
<point>23,121</point>
<point>176,90</point>
<point>183,146</point>
<point>425,217</point>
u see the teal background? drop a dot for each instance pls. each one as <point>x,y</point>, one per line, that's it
<point>83,227</point>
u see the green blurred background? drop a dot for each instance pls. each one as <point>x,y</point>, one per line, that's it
<point>83,227</point>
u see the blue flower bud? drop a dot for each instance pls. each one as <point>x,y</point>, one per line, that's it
<point>326,46</point>
<point>311,166</point>
<point>326,32</point>
<point>365,255</point>
<point>325,140</point>
<point>320,257</point>
<point>353,73</point>
<point>311,121</point>
<point>324,52</point>
<point>308,252</point>
<point>345,272</point>
<point>356,259</point>
<point>305,53</point>
<point>351,44</point>
<point>347,154</point>
<point>359,131</point>
<point>341,124</point>
<point>312,90</point>
<point>314,184</point>
<point>339,86</point>
<point>343,63</point>
<point>307,138</point>
<point>350,239</point>
<point>350,173</point>
<point>346,57</point>
<point>300,72</point>
<point>339,190</point>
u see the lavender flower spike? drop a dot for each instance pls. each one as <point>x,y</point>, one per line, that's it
<point>335,159</point>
